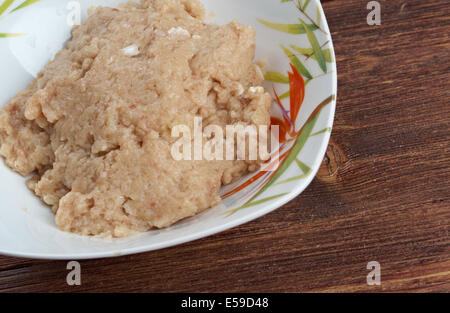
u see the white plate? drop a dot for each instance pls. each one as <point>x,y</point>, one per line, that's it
<point>27,227</point>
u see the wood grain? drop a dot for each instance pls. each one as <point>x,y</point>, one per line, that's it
<point>382,193</point>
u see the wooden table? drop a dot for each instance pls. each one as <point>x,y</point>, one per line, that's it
<point>383,193</point>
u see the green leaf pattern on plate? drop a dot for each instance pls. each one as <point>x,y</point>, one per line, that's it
<point>5,5</point>
<point>294,29</point>
<point>276,77</point>
<point>297,63</point>
<point>305,134</point>
<point>9,35</point>
<point>309,53</point>
<point>322,56</point>
<point>250,204</point>
<point>316,48</point>
<point>305,4</point>
<point>25,4</point>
